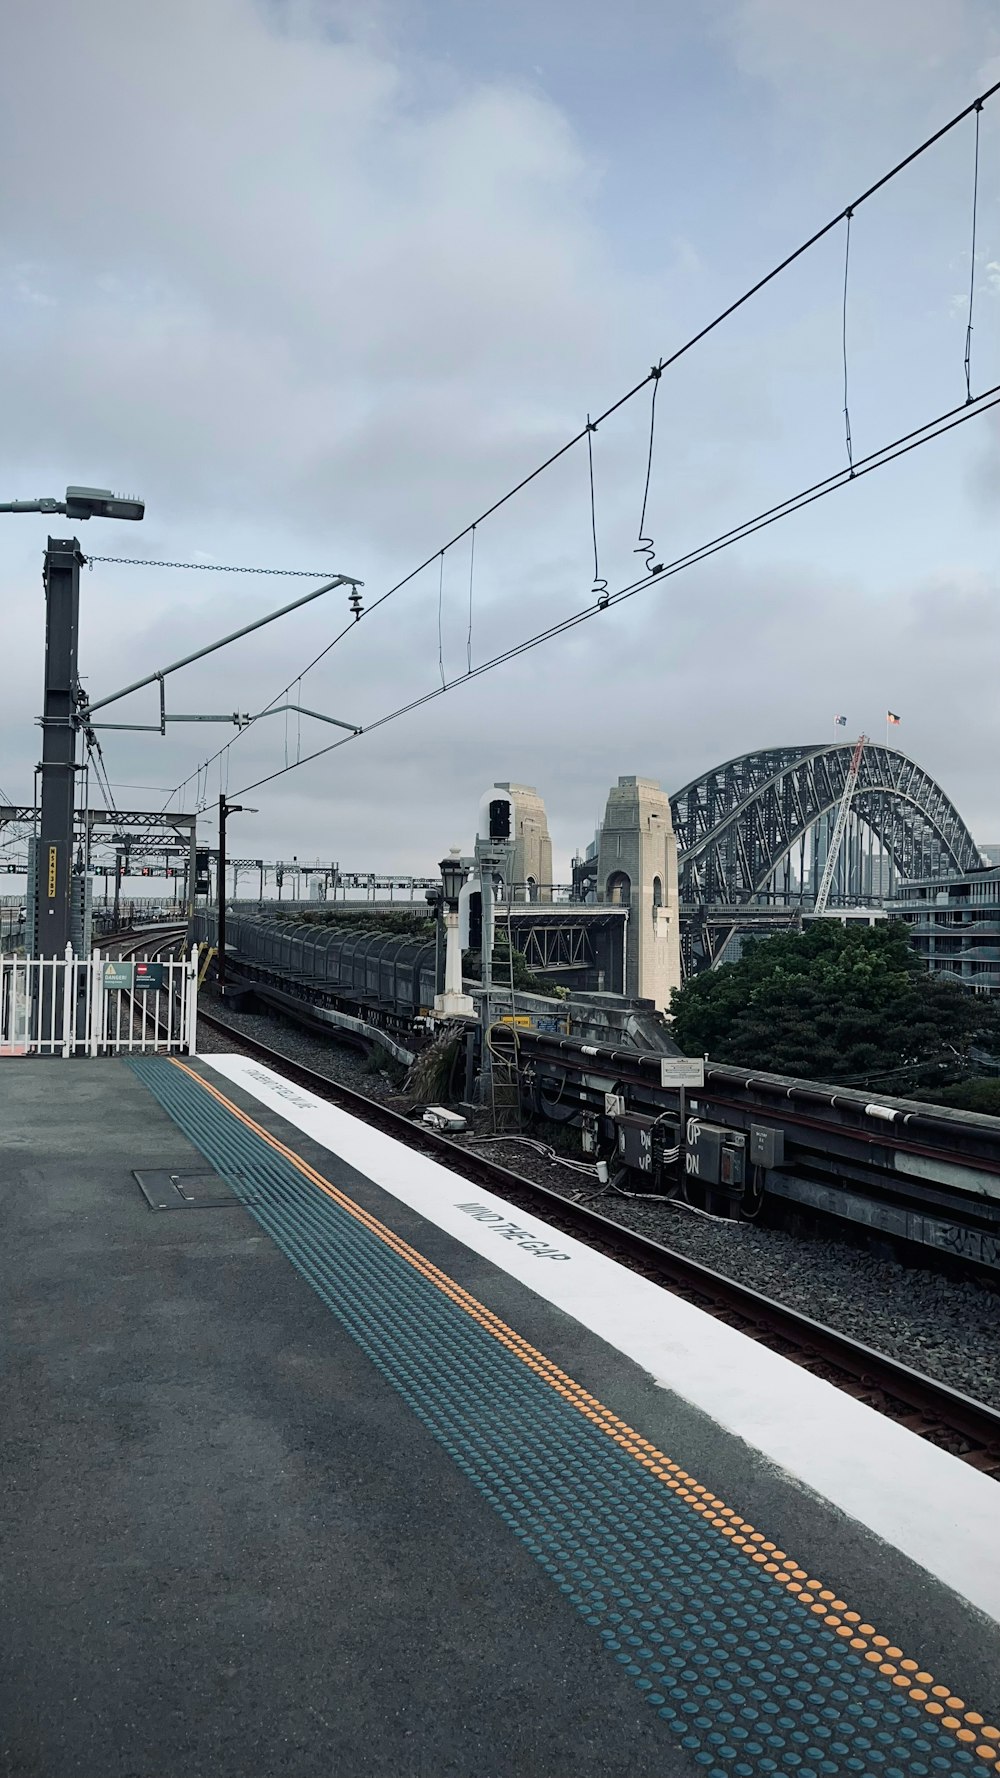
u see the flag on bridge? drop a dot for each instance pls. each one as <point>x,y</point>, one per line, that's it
<point>841,721</point>
<point>892,719</point>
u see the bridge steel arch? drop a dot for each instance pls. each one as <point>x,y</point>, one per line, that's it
<point>737,823</point>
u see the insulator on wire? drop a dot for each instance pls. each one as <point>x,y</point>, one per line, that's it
<point>356,602</point>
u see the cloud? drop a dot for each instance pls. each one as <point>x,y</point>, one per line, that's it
<point>809,48</point>
<point>321,301</point>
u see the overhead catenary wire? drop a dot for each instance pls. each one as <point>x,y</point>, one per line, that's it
<point>645,546</point>
<point>972,257</point>
<point>843,336</point>
<point>213,567</point>
<point>819,234</point>
<point>472,569</point>
<point>600,584</point>
<point>441,618</point>
<point>900,447</point>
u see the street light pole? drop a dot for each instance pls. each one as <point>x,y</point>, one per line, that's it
<point>54,858</point>
<point>52,912</point>
<point>225,809</point>
<point>220,884</point>
<point>453,1002</point>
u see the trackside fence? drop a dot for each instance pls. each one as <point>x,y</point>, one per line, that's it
<point>97,1006</point>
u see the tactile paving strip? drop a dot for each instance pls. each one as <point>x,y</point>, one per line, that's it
<point>739,1675</point>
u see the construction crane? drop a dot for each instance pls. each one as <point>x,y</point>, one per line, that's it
<point>850,785</point>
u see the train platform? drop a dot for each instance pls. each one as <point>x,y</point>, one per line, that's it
<point>315,1459</point>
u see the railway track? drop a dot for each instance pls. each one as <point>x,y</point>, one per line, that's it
<point>969,1429</point>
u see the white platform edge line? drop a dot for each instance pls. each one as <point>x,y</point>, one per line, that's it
<point>932,1507</point>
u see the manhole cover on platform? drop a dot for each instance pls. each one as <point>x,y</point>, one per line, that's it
<point>184,1188</point>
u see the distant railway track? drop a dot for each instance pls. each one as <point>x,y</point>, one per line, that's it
<point>967,1428</point>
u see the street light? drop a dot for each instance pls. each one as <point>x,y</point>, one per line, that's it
<point>225,809</point>
<point>453,875</point>
<point>63,558</point>
<point>84,503</point>
<point>453,1003</point>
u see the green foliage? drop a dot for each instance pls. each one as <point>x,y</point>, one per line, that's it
<point>981,1094</point>
<point>835,1003</point>
<point>524,978</point>
<point>401,923</point>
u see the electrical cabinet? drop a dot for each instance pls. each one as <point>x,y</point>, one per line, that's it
<point>715,1155</point>
<point>767,1146</point>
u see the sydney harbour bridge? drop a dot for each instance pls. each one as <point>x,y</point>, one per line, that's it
<point>753,835</point>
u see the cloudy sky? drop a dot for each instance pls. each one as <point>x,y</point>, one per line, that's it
<point>321,281</point>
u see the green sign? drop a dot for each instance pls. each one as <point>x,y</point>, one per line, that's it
<point>119,975</point>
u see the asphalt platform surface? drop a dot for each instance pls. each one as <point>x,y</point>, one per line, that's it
<point>228,1545</point>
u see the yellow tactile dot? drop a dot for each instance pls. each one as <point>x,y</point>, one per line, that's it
<point>696,1494</point>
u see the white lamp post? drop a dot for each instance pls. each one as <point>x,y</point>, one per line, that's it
<point>453,1003</point>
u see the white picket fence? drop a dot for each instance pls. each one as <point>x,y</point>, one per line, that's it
<point>60,1006</point>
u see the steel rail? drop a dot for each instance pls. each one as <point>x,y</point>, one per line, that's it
<point>932,1409</point>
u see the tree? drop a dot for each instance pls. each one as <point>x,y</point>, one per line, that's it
<point>836,1003</point>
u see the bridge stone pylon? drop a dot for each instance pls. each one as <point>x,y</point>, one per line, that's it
<point>532,860</point>
<point>637,867</point>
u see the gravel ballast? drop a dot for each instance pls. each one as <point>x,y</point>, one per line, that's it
<point>943,1326</point>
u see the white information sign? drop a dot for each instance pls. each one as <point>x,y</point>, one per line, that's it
<point>682,1071</point>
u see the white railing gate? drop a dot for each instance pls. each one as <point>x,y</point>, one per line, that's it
<point>65,1006</point>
